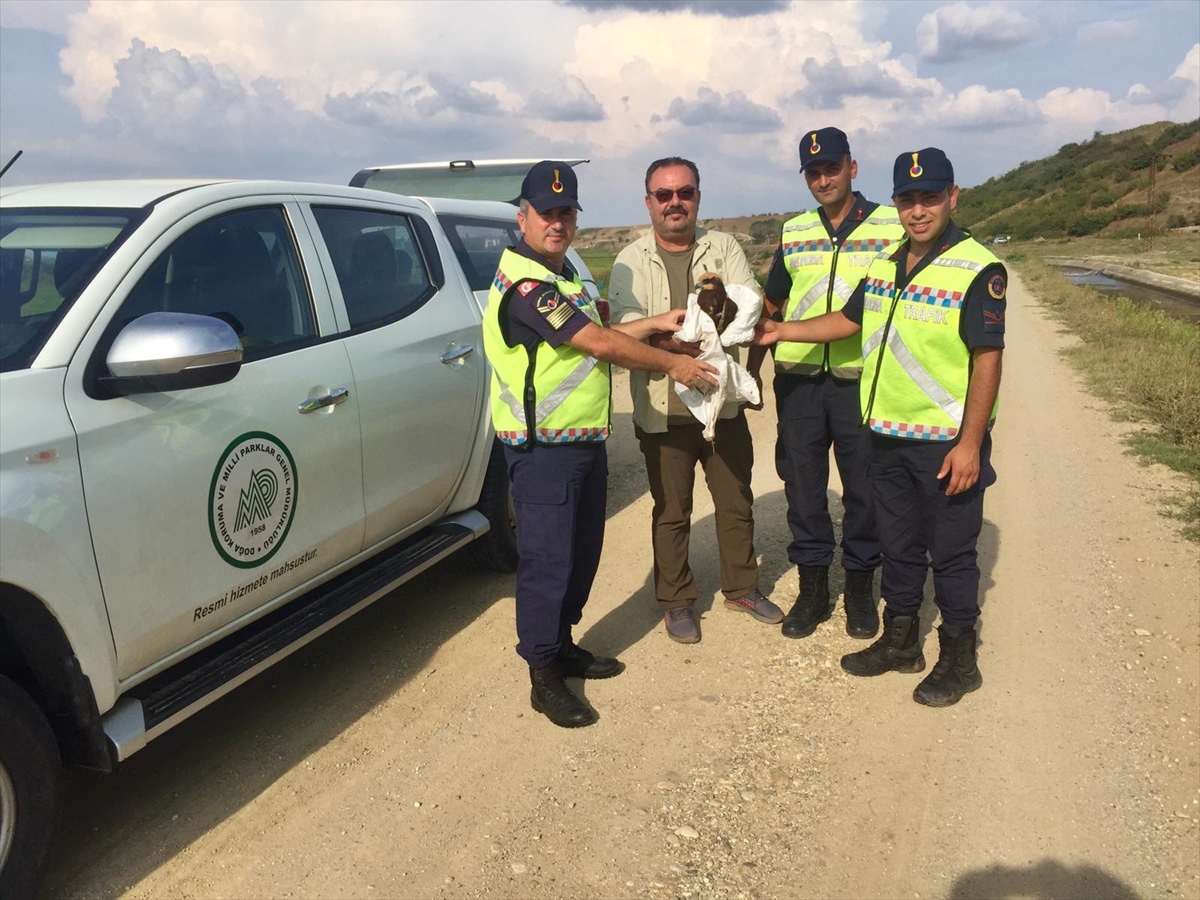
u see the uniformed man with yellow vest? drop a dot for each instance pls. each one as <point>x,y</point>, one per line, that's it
<point>822,256</point>
<point>931,314</point>
<point>551,404</point>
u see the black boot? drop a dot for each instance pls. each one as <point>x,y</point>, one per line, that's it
<point>576,662</point>
<point>956,673</point>
<point>551,697</point>
<point>897,650</point>
<point>862,613</point>
<point>812,605</point>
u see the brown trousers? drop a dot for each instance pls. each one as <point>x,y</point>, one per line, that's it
<point>671,458</point>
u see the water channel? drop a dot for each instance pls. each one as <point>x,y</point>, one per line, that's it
<point>1176,305</point>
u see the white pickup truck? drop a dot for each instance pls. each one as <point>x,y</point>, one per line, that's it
<point>232,414</point>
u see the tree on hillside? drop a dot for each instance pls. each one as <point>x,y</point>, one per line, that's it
<point>765,231</point>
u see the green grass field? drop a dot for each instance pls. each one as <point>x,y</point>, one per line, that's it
<point>600,261</point>
<point>1144,361</point>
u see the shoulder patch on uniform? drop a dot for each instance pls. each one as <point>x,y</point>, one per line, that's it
<point>994,304</point>
<point>553,307</point>
<point>528,286</point>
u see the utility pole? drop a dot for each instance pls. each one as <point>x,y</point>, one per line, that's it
<point>1148,242</point>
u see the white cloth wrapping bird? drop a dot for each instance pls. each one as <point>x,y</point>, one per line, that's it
<point>733,381</point>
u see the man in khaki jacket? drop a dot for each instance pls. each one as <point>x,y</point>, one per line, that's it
<point>653,275</point>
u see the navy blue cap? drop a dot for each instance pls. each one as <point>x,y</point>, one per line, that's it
<point>549,185</point>
<point>922,170</point>
<point>823,144</point>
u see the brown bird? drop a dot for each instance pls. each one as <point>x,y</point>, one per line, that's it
<point>712,298</point>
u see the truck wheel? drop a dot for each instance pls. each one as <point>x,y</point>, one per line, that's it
<point>498,548</point>
<point>30,790</point>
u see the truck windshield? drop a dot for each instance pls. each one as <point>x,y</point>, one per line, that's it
<point>47,258</point>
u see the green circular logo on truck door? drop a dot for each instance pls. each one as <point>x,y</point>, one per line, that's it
<point>252,500</point>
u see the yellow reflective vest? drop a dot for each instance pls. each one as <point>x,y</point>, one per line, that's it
<point>916,365</point>
<point>824,275</point>
<point>557,395</point>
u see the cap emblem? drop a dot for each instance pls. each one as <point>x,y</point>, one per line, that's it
<point>815,148</point>
<point>557,187</point>
<point>916,170</point>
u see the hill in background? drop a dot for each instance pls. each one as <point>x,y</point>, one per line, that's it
<point>758,235</point>
<point>1101,186</point>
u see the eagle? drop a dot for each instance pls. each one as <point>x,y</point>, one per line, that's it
<point>713,299</point>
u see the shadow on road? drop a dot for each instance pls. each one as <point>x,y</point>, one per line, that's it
<point>1048,880</point>
<point>117,829</point>
<point>639,615</point>
<point>771,539</point>
<point>218,761</point>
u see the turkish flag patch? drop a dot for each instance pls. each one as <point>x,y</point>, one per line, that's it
<point>525,288</point>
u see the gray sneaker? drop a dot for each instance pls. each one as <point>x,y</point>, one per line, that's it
<point>682,626</point>
<point>757,604</point>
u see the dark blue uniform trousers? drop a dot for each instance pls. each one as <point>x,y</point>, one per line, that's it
<point>920,525</point>
<point>559,492</point>
<point>813,414</point>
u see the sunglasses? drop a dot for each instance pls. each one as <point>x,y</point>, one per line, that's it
<point>664,195</point>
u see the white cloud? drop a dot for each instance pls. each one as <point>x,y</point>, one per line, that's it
<point>314,49</point>
<point>1075,105</point>
<point>976,107</point>
<point>567,101</point>
<point>1110,31</point>
<point>831,84</point>
<point>959,31</point>
<point>318,90</point>
<point>1186,81</point>
<point>735,9</point>
<point>40,15</point>
<point>733,112</point>
<point>1189,69</point>
<point>466,98</point>
<point>1176,98</point>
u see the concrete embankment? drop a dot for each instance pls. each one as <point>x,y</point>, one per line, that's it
<point>1182,286</point>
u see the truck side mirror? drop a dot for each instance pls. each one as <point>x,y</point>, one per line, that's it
<point>164,351</point>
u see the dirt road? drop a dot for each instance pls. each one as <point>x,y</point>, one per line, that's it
<point>398,756</point>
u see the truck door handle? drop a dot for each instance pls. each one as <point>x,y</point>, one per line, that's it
<point>451,356</point>
<point>333,398</point>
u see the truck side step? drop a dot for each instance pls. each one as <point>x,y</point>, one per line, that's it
<point>165,700</point>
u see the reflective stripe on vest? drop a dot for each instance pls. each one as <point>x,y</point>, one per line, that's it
<point>824,275</point>
<point>567,392</point>
<point>916,366</point>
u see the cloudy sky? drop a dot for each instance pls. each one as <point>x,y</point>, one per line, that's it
<point>317,90</point>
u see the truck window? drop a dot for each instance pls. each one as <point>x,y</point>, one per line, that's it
<point>378,263</point>
<point>478,244</point>
<point>47,258</point>
<point>240,267</point>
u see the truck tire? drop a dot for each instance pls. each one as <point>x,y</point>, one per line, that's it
<point>497,550</point>
<point>30,790</point>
